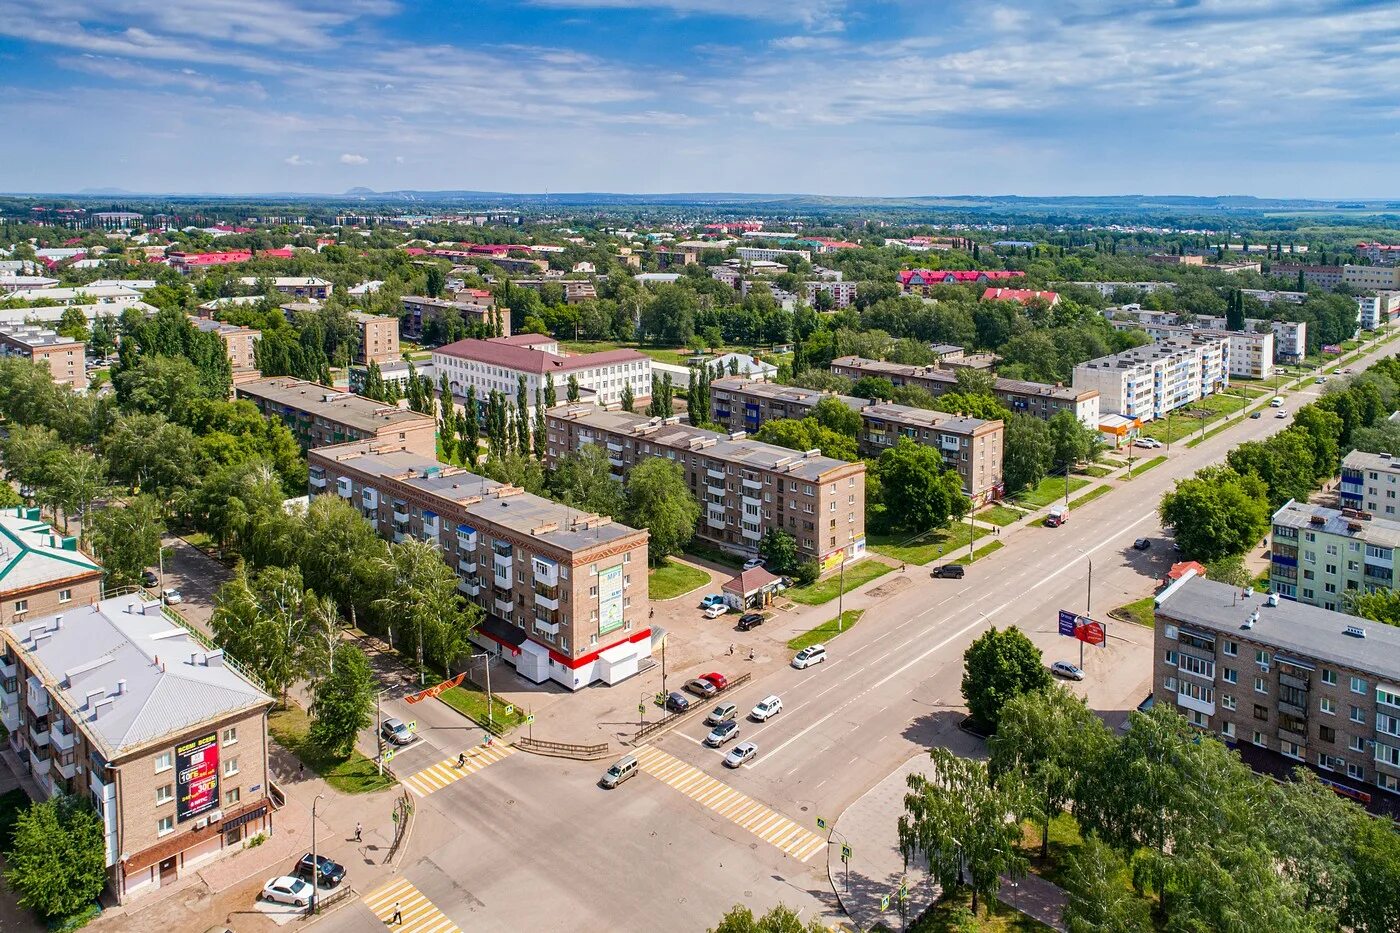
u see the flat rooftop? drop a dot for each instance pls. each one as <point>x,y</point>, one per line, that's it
<point>1163,349</point>
<point>33,554</point>
<point>1378,531</point>
<point>1312,632</point>
<point>346,408</point>
<point>36,336</point>
<point>949,376</point>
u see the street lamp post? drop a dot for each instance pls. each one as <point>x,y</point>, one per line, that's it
<point>315,861</point>
<point>841,586</point>
<point>490,706</point>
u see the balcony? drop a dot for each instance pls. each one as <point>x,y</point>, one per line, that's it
<point>431,525</point>
<point>317,482</point>
<point>547,628</point>
<point>752,532</point>
<point>9,715</point>
<point>1186,701</point>
<point>36,697</point>
<point>400,512</point>
<point>62,739</point>
<point>716,475</point>
<point>99,787</point>
<point>466,538</point>
<point>467,564</point>
<point>343,488</point>
<point>616,462</point>
<point>546,571</point>
<point>8,667</point>
<point>615,447</point>
<point>503,606</point>
<point>714,490</point>
<point>752,483</point>
<point>369,498</point>
<point>470,588</point>
<point>38,733</point>
<point>548,602</point>
<point>503,566</point>
<point>67,770</point>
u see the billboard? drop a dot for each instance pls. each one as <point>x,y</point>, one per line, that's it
<point>609,599</point>
<point>1081,627</point>
<point>197,776</point>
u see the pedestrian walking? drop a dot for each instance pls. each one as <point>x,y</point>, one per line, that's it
<point>731,648</point>
<point>301,770</point>
<point>750,654</point>
<point>359,830</point>
<point>901,566</point>
<point>653,613</point>
<point>398,914</point>
<point>461,759</point>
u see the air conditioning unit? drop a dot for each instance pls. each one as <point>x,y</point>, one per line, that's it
<point>201,823</point>
<point>216,816</point>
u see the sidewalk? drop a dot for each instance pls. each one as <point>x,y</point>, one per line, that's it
<point>868,826</point>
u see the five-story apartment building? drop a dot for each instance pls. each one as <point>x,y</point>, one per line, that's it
<point>1317,555</point>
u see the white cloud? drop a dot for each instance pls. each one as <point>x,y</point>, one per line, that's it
<point>351,158</point>
<point>398,160</point>
<point>297,161</point>
<point>817,15</point>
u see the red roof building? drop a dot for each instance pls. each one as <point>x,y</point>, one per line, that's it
<point>283,253</point>
<point>1024,295</point>
<point>186,261</point>
<point>921,281</point>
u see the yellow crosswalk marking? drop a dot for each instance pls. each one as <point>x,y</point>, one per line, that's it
<point>417,914</point>
<point>735,806</point>
<point>446,772</point>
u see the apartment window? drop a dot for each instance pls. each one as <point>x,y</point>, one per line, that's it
<point>21,605</point>
<point>1230,648</point>
<point>1356,772</point>
<point>1329,677</point>
<point>230,767</point>
<point>1260,686</point>
<point>1356,743</point>
<point>231,797</point>
<point>1327,734</point>
<point>1292,750</point>
<point>1227,701</point>
<point>1327,705</point>
<point>1260,740</point>
<point>65,596</point>
<point>165,793</point>
<point>1230,675</point>
<point>1228,730</point>
<point>163,762</point>
<point>165,825</point>
<point>230,736</point>
<point>1261,712</point>
<point>1171,658</point>
<point>1262,659</point>
<point>1357,715</point>
<point>1358,686</point>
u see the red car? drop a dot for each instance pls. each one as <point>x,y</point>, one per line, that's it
<point>717,679</point>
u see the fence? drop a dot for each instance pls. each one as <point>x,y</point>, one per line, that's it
<point>562,749</point>
<point>672,717</point>
<point>323,903</point>
<point>403,822</point>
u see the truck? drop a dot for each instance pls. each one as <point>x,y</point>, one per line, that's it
<point>1059,514</point>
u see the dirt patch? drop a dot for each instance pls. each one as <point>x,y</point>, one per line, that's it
<point>889,587</point>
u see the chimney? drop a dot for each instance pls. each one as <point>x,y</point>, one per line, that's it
<point>215,658</point>
<point>121,687</point>
<point>93,696</point>
<point>194,658</point>
<point>58,622</point>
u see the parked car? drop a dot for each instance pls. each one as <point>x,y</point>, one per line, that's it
<point>767,708</point>
<point>171,596</point>
<point>714,599</point>
<point>753,562</point>
<point>1282,413</point>
<point>948,572</point>
<point>287,890</point>
<point>722,733</point>
<point>701,688</point>
<point>623,769</point>
<point>740,754</point>
<point>1151,443</point>
<point>716,678</point>
<point>809,656</point>
<point>396,732</point>
<point>714,612</point>
<point>677,702</point>
<point>750,620</point>
<point>149,578</point>
<point>1066,670</point>
<point>722,713</point>
<point>328,873</point>
<point>1142,544</point>
<point>1256,414</point>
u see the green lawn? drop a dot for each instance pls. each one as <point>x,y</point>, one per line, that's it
<point>1094,470</point>
<point>1090,496</point>
<point>353,775</point>
<point>1064,840</point>
<point>999,515</point>
<point>948,915</point>
<point>707,551</point>
<point>824,591</point>
<point>923,548</point>
<point>674,579</point>
<point>980,553</point>
<point>827,630</point>
<point>1139,612</point>
<point>1141,468</point>
<point>1304,383</point>
<point>1050,489</point>
<point>470,701</point>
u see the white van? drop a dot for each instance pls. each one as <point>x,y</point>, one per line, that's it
<point>1276,402</point>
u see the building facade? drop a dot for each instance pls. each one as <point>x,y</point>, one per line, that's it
<point>64,357</point>
<point>764,254</point>
<point>564,592</point>
<point>320,415</point>
<point>1372,277</point>
<point>744,487</point>
<point>240,344</point>
<point>498,365</point>
<point>379,338</point>
<point>418,310</point>
<point>1371,483</point>
<point>1148,382</point>
<point>116,701</point>
<point>843,294</point>
<point>1317,555</point>
<point>297,286</point>
<point>1251,352</point>
<point>41,571</point>
<point>1028,398</point>
<point>1285,685</point>
<point>1319,276</point>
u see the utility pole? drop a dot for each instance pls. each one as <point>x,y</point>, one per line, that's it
<point>490,705</point>
<point>1088,602</point>
<point>315,860</point>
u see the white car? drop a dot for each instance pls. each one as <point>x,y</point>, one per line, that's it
<point>1148,442</point>
<point>171,597</point>
<point>740,754</point>
<point>813,654</point>
<point>714,612</point>
<point>287,890</point>
<point>1066,670</point>
<point>753,562</point>
<point>767,708</point>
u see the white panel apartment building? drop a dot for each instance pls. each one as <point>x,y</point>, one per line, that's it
<point>1290,337</point>
<point>759,253</point>
<point>1147,382</point>
<point>1251,353</point>
<point>498,363</point>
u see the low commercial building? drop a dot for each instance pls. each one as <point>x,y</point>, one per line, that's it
<point>116,295</point>
<point>1038,399</point>
<point>744,487</point>
<point>379,338</point>
<point>564,591</point>
<point>971,446</point>
<point>240,342</point>
<point>418,310</point>
<point>1021,295</point>
<point>498,364</point>
<point>1147,382</point>
<point>41,571</point>
<point>320,415</point>
<point>1317,555</point>
<point>1371,483</point>
<point>1251,352</point>
<point>64,357</point>
<point>116,701</point>
<point>1285,684</point>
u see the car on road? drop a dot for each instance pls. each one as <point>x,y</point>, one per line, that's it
<point>722,713</point>
<point>809,656</point>
<point>753,562</point>
<point>1151,443</point>
<point>1321,380</point>
<point>149,578</point>
<point>677,702</point>
<point>716,678</point>
<point>1066,670</point>
<point>1282,413</point>
<point>767,708</point>
<point>1276,401</point>
<point>750,620</point>
<point>701,688</point>
<point>396,732</point>
<point>623,769</point>
<point>328,873</point>
<point>287,890</point>
<point>1142,544</point>
<point>722,733</point>
<point>714,612</point>
<point>948,572</point>
<point>1256,414</point>
<point>714,599</point>
<point>171,596</point>
<point>741,754</point>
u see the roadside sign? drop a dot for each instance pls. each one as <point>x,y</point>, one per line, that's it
<point>845,853</point>
<point>388,756</point>
<point>413,725</point>
<point>884,902</point>
<point>1067,622</point>
<point>641,707</point>
<point>821,822</point>
<point>509,709</point>
<point>529,719</point>
<point>904,890</point>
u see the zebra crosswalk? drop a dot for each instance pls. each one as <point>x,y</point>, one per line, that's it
<point>769,825</point>
<point>446,772</point>
<point>417,914</point>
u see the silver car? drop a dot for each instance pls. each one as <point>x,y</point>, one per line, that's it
<point>740,755</point>
<point>722,733</point>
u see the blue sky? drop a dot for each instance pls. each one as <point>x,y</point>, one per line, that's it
<point>851,97</point>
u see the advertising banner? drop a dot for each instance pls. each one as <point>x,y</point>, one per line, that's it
<point>197,776</point>
<point>1081,627</point>
<point>435,690</point>
<point>609,599</point>
<point>1067,622</point>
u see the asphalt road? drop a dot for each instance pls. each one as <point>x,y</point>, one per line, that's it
<point>526,842</point>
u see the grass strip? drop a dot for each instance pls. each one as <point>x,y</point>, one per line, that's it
<point>980,553</point>
<point>1089,496</point>
<point>826,631</point>
<point>290,727</point>
<point>674,579</point>
<point>824,591</point>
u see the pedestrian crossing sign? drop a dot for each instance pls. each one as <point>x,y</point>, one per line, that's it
<point>884,902</point>
<point>821,822</point>
<point>845,853</point>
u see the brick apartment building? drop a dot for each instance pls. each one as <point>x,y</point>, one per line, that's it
<point>971,446</point>
<point>565,592</point>
<point>116,701</point>
<point>379,338</point>
<point>418,310</point>
<point>320,415</point>
<point>41,571</point>
<point>1029,398</point>
<point>1285,684</point>
<point>744,487</point>
<point>64,356</point>
<point>240,343</point>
